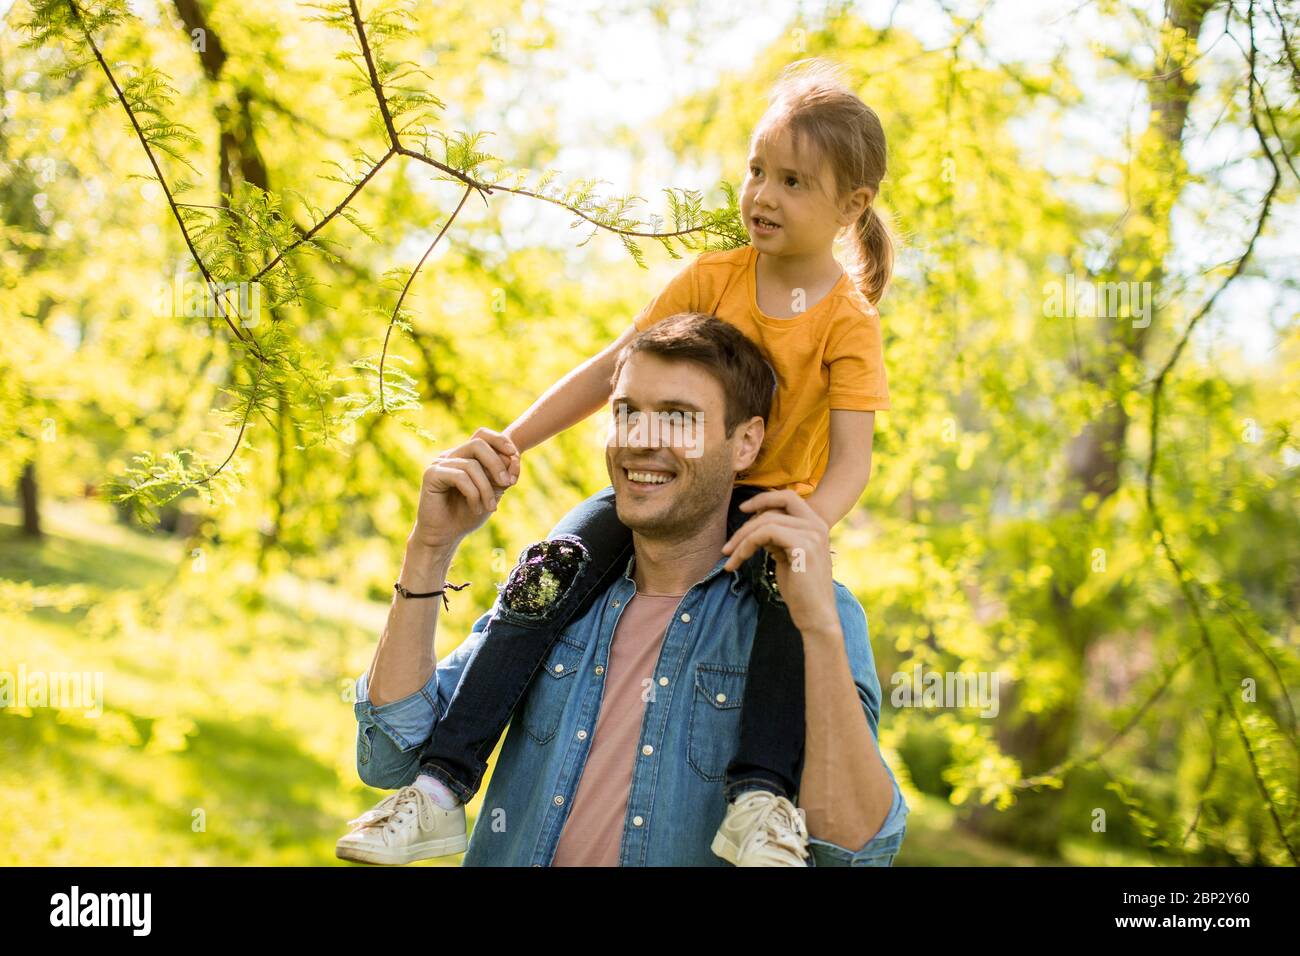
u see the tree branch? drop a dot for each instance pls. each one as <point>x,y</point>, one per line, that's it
<point>162,180</point>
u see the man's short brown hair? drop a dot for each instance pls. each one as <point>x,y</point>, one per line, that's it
<point>747,378</point>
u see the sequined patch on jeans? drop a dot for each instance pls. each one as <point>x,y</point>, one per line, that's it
<point>767,578</point>
<point>545,573</point>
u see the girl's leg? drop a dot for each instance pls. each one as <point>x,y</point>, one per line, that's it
<point>555,581</point>
<point>769,755</point>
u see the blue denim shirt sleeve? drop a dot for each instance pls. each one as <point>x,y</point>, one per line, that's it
<point>881,849</point>
<point>390,736</point>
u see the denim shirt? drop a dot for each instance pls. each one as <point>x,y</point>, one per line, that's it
<point>689,731</point>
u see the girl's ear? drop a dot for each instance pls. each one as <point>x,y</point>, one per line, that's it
<point>855,204</point>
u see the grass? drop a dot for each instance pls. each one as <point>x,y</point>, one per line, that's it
<point>226,734</point>
<point>933,839</point>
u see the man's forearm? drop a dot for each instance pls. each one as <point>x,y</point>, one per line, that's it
<point>406,658</point>
<point>845,791</point>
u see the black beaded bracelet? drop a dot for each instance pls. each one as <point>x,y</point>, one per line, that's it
<point>442,590</point>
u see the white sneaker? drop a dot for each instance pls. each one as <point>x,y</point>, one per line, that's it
<point>762,829</point>
<point>406,827</point>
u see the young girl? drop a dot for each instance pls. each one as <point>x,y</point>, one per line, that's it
<point>816,161</point>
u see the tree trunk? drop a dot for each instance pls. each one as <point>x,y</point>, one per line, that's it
<point>27,493</point>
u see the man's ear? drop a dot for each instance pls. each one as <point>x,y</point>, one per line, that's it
<point>747,443</point>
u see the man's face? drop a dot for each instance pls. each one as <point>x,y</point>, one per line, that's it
<point>670,463</point>
<point>787,200</point>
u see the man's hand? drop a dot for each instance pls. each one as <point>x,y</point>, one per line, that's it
<point>462,487</point>
<point>799,540</point>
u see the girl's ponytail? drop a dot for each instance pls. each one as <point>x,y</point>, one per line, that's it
<point>872,259</point>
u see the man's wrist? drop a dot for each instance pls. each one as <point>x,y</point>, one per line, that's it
<point>828,632</point>
<point>425,567</point>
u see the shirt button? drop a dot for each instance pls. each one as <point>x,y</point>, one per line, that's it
<point>600,669</point>
<point>686,619</point>
<point>559,668</point>
<point>721,698</point>
<point>637,821</point>
<point>582,735</point>
<point>614,604</point>
<point>559,799</point>
<point>663,682</point>
<point>647,750</point>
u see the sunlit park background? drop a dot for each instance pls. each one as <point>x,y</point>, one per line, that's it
<point>1091,496</point>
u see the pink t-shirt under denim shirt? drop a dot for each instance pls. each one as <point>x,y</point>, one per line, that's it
<point>593,832</point>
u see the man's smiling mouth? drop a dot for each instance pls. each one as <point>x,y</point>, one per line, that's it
<point>648,478</point>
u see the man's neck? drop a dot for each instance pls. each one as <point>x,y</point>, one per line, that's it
<point>674,566</point>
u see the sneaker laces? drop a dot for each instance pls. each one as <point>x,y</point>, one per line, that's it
<point>779,836</point>
<point>396,812</point>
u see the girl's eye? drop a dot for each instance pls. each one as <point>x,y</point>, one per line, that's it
<point>791,181</point>
<point>755,171</point>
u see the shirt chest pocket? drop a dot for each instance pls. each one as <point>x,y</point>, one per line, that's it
<point>714,729</point>
<point>550,690</point>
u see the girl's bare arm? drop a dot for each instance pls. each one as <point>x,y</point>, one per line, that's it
<point>570,400</point>
<point>848,465</point>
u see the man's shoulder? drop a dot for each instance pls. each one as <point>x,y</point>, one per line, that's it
<point>482,621</point>
<point>850,608</point>
<point>857,637</point>
<point>853,616</point>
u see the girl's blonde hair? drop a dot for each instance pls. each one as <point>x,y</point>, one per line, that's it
<point>811,98</point>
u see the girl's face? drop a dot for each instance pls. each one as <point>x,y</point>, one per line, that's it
<point>788,199</point>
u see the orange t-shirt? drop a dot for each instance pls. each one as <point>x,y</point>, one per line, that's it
<point>829,357</point>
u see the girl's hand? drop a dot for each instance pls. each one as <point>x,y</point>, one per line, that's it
<point>463,486</point>
<point>507,455</point>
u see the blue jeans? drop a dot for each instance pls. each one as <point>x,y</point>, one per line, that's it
<point>557,581</point>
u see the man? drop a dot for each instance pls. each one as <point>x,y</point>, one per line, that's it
<point>618,752</point>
